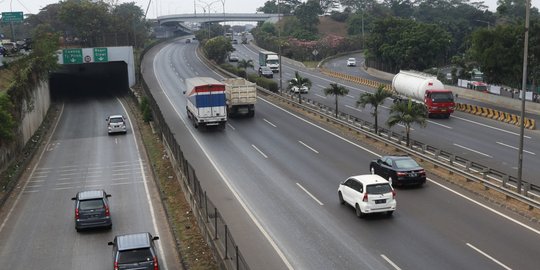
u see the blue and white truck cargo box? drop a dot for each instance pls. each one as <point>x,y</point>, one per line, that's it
<point>206,103</point>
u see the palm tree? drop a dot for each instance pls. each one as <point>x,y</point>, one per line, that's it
<point>299,82</point>
<point>374,99</point>
<point>336,90</point>
<point>245,64</point>
<point>407,113</point>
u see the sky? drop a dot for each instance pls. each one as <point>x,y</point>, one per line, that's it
<point>167,7</point>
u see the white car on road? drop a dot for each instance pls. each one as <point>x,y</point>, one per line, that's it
<point>351,62</point>
<point>368,193</point>
<point>116,123</point>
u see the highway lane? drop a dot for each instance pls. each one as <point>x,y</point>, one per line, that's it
<point>479,139</point>
<point>275,159</point>
<point>38,231</point>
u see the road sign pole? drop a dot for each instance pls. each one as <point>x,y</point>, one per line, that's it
<point>12,32</point>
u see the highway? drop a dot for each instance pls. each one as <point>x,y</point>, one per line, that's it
<point>479,139</point>
<point>38,229</point>
<point>275,178</point>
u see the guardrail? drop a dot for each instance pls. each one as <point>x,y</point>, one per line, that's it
<point>209,219</point>
<point>468,108</point>
<point>471,170</point>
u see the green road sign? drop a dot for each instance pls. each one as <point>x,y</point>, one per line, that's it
<point>72,56</point>
<point>12,16</point>
<point>101,55</point>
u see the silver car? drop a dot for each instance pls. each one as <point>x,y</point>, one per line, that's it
<point>92,210</point>
<point>116,123</point>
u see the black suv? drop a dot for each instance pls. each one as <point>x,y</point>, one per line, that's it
<point>399,170</point>
<point>135,251</point>
<point>92,210</point>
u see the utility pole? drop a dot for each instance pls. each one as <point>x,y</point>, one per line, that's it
<point>523,92</point>
<point>279,49</point>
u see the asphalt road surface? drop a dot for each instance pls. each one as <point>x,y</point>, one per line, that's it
<point>38,228</point>
<point>275,178</point>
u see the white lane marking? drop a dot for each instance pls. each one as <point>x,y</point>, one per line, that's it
<point>310,195</point>
<point>319,127</point>
<point>33,170</point>
<point>225,179</point>
<point>390,262</point>
<point>321,86</point>
<point>146,189</point>
<point>34,186</point>
<point>258,150</point>
<point>353,108</point>
<point>270,123</point>
<point>309,147</point>
<point>116,140</point>
<point>472,150</point>
<point>515,148</point>
<point>321,96</point>
<point>439,124</point>
<point>37,181</point>
<point>487,207</point>
<point>484,125</point>
<point>351,96</point>
<point>40,176</point>
<point>403,126</point>
<point>489,257</point>
<point>233,128</point>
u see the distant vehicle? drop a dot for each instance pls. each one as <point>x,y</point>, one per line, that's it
<point>188,40</point>
<point>135,251</point>
<point>92,210</point>
<point>368,194</point>
<point>295,89</point>
<point>116,123</point>
<point>478,86</point>
<point>233,57</point>
<point>10,48</point>
<point>206,103</point>
<point>266,72</point>
<point>269,59</point>
<point>351,62</point>
<point>241,96</point>
<point>425,89</point>
<point>399,170</point>
<point>234,41</point>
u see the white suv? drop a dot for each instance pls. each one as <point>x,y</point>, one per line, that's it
<point>368,194</point>
<point>351,62</point>
<point>116,123</point>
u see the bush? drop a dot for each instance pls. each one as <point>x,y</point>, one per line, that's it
<point>267,84</point>
<point>252,77</point>
<point>145,110</point>
<point>339,16</point>
<point>241,73</point>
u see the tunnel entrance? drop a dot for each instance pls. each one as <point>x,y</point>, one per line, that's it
<point>90,79</point>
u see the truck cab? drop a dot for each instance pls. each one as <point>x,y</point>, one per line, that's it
<point>439,102</point>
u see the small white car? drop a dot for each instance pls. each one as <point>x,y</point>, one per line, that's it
<point>304,89</point>
<point>368,193</point>
<point>116,123</point>
<point>351,62</point>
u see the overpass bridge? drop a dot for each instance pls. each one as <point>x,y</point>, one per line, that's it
<point>217,17</point>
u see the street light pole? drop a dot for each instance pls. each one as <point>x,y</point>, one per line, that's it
<point>523,92</point>
<point>279,49</point>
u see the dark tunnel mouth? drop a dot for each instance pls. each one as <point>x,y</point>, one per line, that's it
<point>89,80</point>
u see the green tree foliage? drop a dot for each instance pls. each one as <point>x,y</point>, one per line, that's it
<point>208,31</point>
<point>328,5</point>
<point>406,44</point>
<point>299,82</point>
<point>336,90</point>
<point>285,7</point>
<point>308,15</point>
<point>245,64</point>
<point>407,113</point>
<point>7,123</point>
<point>129,18</point>
<point>500,53</point>
<point>90,20</point>
<point>374,100</point>
<point>217,48</point>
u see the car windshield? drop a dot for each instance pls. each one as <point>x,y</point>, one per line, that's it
<point>405,163</point>
<point>272,62</point>
<point>442,97</point>
<point>135,255</point>
<point>379,188</point>
<point>117,120</point>
<point>91,204</point>
<point>352,59</point>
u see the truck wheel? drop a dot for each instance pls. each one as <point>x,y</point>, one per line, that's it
<point>251,113</point>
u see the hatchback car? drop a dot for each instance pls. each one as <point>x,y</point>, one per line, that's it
<point>266,72</point>
<point>399,170</point>
<point>116,123</point>
<point>351,62</point>
<point>233,57</point>
<point>188,40</point>
<point>135,251</point>
<point>368,194</point>
<point>92,210</point>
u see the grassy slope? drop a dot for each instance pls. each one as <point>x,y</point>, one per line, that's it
<point>328,26</point>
